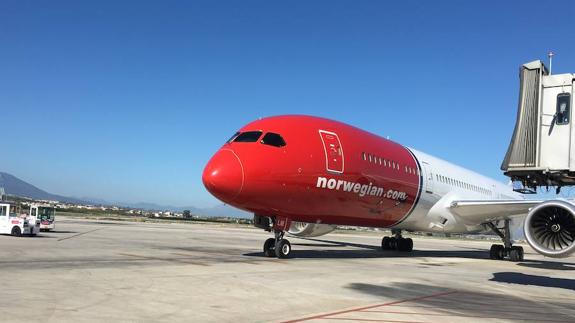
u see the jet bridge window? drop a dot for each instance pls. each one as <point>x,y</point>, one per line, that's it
<point>563,108</point>
<point>248,136</point>
<point>273,139</point>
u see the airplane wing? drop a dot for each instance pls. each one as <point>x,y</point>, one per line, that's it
<point>482,211</point>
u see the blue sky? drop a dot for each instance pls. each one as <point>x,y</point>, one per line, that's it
<point>127,100</point>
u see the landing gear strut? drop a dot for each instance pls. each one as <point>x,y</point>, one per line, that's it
<point>507,250</point>
<point>278,246</point>
<point>397,242</point>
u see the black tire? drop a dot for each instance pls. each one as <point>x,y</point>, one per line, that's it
<point>283,249</point>
<point>16,231</point>
<point>385,243</point>
<point>408,245</point>
<point>393,241</point>
<point>516,254</point>
<point>496,252</point>
<point>404,245</point>
<point>269,247</point>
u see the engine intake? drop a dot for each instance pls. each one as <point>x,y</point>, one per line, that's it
<point>302,229</point>
<point>550,228</point>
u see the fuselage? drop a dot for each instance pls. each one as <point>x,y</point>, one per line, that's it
<point>316,170</point>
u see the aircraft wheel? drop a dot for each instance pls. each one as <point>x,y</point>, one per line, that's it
<point>408,245</point>
<point>404,245</point>
<point>393,242</point>
<point>516,254</point>
<point>16,231</point>
<point>269,247</point>
<point>283,249</point>
<point>497,252</point>
<point>386,243</point>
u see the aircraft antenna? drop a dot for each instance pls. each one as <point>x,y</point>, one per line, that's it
<point>550,55</point>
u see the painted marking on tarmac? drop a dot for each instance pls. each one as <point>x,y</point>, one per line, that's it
<point>358,309</point>
<point>79,234</point>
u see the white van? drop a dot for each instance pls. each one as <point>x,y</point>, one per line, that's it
<point>12,223</point>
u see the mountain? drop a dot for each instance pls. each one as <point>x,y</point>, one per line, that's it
<point>17,187</point>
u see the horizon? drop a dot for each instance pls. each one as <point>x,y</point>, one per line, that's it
<point>126,102</point>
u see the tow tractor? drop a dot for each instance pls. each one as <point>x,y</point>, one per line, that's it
<point>13,223</point>
<point>45,214</point>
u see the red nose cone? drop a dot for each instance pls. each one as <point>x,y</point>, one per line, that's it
<point>223,175</point>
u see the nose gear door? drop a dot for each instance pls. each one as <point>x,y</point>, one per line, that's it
<point>334,161</point>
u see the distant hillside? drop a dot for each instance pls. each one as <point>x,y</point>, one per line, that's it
<point>218,210</point>
<point>15,186</point>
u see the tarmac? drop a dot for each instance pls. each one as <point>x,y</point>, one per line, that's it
<point>95,271</point>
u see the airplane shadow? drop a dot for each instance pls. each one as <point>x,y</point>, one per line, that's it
<point>525,279</point>
<point>371,251</point>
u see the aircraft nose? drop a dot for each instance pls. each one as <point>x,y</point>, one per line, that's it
<point>224,175</point>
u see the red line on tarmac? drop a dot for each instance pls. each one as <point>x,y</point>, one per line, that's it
<point>371,320</point>
<point>463,315</point>
<point>369,307</point>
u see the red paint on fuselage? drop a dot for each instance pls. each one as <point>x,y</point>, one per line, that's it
<point>283,181</point>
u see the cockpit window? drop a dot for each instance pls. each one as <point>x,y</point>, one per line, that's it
<point>248,136</point>
<point>273,139</point>
<point>233,137</point>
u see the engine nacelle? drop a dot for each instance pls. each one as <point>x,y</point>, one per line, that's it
<point>302,229</point>
<point>550,228</point>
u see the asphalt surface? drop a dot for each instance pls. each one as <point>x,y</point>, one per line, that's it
<point>94,271</point>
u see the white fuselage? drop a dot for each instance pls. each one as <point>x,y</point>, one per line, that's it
<point>444,182</point>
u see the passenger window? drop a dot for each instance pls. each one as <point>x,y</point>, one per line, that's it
<point>363,155</point>
<point>563,108</point>
<point>2,210</point>
<point>273,139</point>
<point>248,136</point>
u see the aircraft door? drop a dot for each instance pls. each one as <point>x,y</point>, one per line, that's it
<point>428,175</point>
<point>334,161</point>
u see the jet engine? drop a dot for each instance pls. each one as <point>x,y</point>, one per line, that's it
<point>550,228</point>
<point>302,229</point>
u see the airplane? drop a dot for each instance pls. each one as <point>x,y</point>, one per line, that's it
<point>305,175</point>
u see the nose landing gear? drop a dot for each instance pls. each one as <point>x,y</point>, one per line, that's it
<point>397,242</point>
<point>278,246</point>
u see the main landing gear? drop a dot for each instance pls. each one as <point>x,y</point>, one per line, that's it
<point>278,246</point>
<point>397,242</point>
<point>507,250</point>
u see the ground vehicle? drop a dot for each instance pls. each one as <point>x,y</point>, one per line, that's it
<point>12,223</point>
<point>45,214</point>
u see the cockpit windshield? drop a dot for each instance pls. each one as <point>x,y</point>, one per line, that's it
<point>233,137</point>
<point>248,136</point>
<point>273,139</point>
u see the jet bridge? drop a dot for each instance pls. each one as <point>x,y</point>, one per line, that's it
<point>542,148</point>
